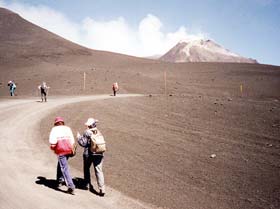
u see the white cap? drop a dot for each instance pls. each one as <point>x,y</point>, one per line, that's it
<point>91,122</point>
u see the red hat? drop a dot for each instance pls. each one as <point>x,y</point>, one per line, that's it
<point>58,119</point>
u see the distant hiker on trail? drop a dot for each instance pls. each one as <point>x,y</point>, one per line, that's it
<point>94,148</point>
<point>115,88</point>
<point>12,86</point>
<point>44,91</point>
<point>62,141</point>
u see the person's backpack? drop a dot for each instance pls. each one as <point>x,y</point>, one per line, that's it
<point>97,142</point>
<point>116,86</point>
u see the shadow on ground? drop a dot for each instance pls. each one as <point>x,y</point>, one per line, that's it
<point>53,184</point>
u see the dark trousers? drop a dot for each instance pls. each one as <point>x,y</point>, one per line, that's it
<point>12,92</point>
<point>43,96</point>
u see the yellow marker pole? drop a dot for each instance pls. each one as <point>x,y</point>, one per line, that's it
<point>241,89</point>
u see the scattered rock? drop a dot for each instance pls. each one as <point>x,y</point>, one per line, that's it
<point>150,95</point>
<point>170,95</point>
<point>272,109</point>
<point>213,155</point>
<point>269,145</point>
<point>229,99</point>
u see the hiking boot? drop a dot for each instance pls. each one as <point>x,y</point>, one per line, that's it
<point>61,183</point>
<point>86,187</point>
<point>101,193</point>
<point>70,191</point>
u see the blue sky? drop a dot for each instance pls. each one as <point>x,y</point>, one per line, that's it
<point>250,28</point>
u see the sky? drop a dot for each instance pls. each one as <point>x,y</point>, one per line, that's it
<point>250,28</point>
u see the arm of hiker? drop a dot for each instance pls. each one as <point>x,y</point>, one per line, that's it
<point>83,140</point>
<point>52,146</point>
<point>53,139</point>
<point>72,140</point>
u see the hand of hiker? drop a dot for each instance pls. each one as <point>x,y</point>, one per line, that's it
<point>78,134</point>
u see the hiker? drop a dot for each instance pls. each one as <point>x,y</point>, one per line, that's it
<point>115,88</point>
<point>44,90</point>
<point>61,141</point>
<point>12,86</point>
<point>92,157</point>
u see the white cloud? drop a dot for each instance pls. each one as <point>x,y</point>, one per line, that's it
<point>114,35</point>
<point>150,35</point>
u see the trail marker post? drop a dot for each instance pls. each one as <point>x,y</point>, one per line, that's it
<point>84,80</point>
<point>165,83</point>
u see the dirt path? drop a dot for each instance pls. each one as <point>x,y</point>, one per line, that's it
<point>25,160</point>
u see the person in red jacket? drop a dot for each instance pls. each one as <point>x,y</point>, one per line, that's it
<point>115,88</point>
<point>61,140</point>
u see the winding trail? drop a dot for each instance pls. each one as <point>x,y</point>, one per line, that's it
<point>24,158</point>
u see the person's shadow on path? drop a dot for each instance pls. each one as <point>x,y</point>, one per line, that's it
<point>81,184</point>
<point>53,184</point>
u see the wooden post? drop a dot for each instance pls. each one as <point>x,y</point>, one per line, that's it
<point>165,83</point>
<point>241,89</point>
<point>84,80</point>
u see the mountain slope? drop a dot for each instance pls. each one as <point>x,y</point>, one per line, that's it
<point>202,51</point>
<point>30,54</point>
<point>20,38</point>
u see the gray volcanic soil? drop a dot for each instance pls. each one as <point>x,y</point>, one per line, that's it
<point>159,147</point>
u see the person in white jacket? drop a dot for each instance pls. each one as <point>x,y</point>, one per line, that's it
<point>92,158</point>
<point>61,141</point>
<point>43,88</point>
